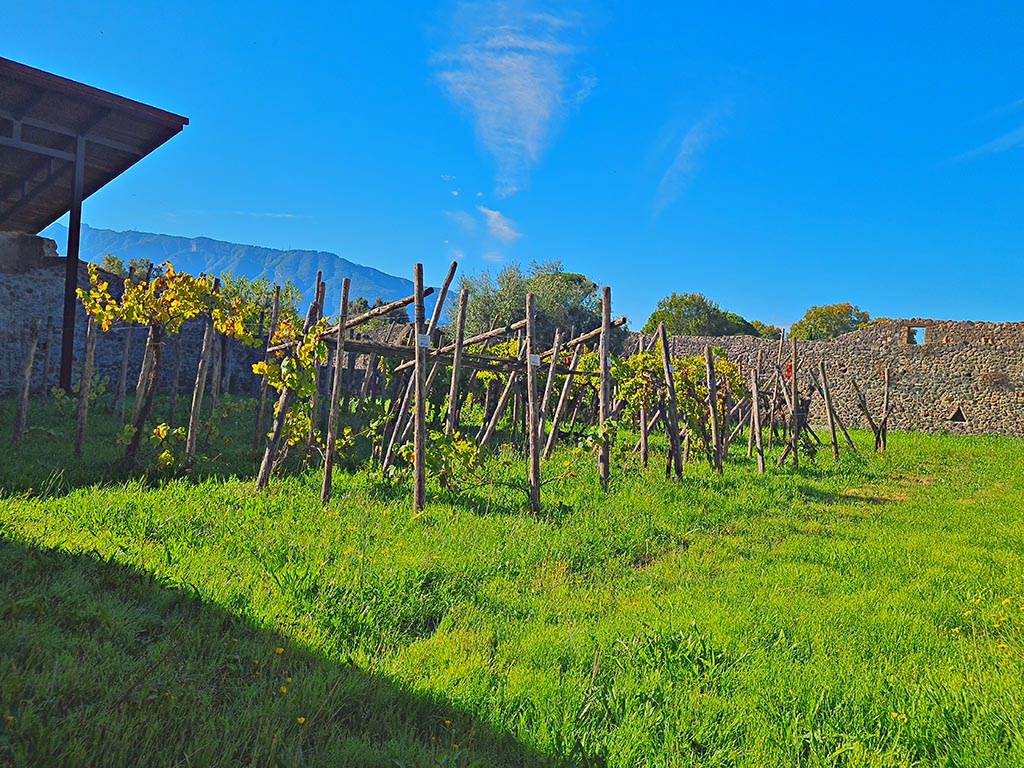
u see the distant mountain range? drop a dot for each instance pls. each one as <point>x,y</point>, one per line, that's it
<point>202,254</point>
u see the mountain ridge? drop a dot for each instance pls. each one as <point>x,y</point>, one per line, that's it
<point>206,254</point>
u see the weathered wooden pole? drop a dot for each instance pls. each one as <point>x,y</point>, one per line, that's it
<point>532,404</point>
<point>794,407</point>
<point>143,410</point>
<point>202,370</point>
<point>422,343</point>
<point>549,384</point>
<point>332,417</point>
<point>284,402</point>
<point>147,364</point>
<point>883,427</point>
<point>671,413</point>
<point>85,385</point>
<point>827,397</point>
<point>755,418</point>
<point>452,422</point>
<point>775,391</point>
<point>121,396</point>
<point>21,415</point>
<point>563,401</point>
<point>261,402</point>
<point>750,437</point>
<point>712,381</point>
<point>605,388</point>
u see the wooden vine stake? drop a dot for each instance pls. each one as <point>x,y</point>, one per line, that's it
<point>21,415</point>
<point>605,389</point>
<point>671,412</point>
<point>563,401</point>
<point>332,417</point>
<point>532,405</point>
<point>452,423</point>
<point>122,380</point>
<point>261,403</point>
<point>794,404</point>
<point>549,384</point>
<point>716,437</point>
<point>284,402</point>
<point>829,411</point>
<point>421,342</point>
<point>197,392</point>
<point>755,419</point>
<point>85,385</point>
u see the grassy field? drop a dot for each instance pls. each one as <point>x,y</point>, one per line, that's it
<point>869,612</point>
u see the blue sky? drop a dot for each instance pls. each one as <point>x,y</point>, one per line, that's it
<point>769,157</point>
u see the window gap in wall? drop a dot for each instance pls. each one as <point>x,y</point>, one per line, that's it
<point>917,335</point>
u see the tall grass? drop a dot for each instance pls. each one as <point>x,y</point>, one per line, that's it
<point>865,612</point>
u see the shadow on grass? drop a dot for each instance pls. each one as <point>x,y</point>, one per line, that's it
<point>104,665</point>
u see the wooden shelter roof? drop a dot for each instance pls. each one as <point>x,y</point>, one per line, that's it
<point>44,120</point>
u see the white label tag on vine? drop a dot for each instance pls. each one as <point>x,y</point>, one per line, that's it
<point>423,340</point>
<point>535,360</point>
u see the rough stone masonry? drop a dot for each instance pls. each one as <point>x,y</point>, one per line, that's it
<point>946,376</point>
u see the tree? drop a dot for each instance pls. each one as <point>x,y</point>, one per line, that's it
<point>113,265</point>
<point>691,314</point>
<point>566,300</point>
<point>829,321</point>
<point>766,331</point>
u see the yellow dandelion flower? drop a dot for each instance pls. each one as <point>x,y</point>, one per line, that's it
<point>279,650</point>
<point>955,630</point>
<point>968,614</point>
<point>288,680</point>
<point>283,689</point>
<point>899,717</point>
<point>1007,601</point>
<point>300,720</point>
<point>1002,646</point>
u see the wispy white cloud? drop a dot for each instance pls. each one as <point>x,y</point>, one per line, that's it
<point>270,215</point>
<point>508,65</point>
<point>1011,140</point>
<point>685,162</point>
<point>499,225</point>
<point>494,257</point>
<point>463,219</point>
<point>447,177</point>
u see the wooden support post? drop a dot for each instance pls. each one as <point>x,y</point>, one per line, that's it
<point>883,427</point>
<point>773,402</point>
<point>21,415</point>
<point>549,384</point>
<point>532,404</point>
<point>563,401</point>
<point>827,397</point>
<point>452,422</point>
<point>671,412</point>
<point>195,413</point>
<point>484,437</point>
<point>154,342</point>
<point>85,386</point>
<point>712,381</point>
<point>318,302</point>
<point>284,402</point>
<point>750,436</point>
<point>755,417</point>
<point>332,416</point>
<point>67,341</point>
<point>794,402</point>
<point>261,402</point>
<point>144,369</point>
<point>422,342</point>
<point>605,387</point>
<point>121,396</point>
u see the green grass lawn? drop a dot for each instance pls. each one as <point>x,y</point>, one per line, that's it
<point>869,612</point>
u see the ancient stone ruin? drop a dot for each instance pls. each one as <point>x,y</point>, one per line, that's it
<point>947,376</point>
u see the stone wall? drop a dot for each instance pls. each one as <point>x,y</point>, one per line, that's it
<point>32,288</point>
<point>961,377</point>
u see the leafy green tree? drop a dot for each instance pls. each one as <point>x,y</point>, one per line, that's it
<point>690,314</point>
<point>566,300</point>
<point>829,321</point>
<point>766,331</point>
<point>113,265</point>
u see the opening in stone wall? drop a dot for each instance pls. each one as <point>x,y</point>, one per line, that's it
<point>917,334</point>
<point>957,417</point>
